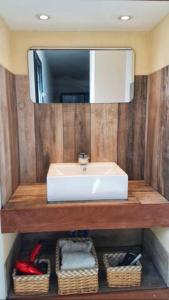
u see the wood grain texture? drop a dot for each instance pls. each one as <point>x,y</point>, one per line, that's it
<point>9,156</point>
<point>58,133</point>
<point>26,131</point>
<point>159,294</point>
<point>164,153</point>
<point>104,123</point>
<point>157,140</point>
<point>13,128</point>
<point>76,131</point>
<point>153,130</point>
<point>48,137</point>
<point>144,209</point>
<point>5,155</point>
<point>131,131</point>
<point>151,279</point>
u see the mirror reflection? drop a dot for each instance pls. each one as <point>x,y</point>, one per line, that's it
<point>81,75</point>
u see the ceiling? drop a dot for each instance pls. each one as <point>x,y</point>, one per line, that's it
<point>83,15</point>
<point>72,62</point>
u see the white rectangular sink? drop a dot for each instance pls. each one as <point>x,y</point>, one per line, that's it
<point>95,181</point>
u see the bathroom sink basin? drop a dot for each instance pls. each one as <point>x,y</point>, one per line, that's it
<point>95,181</point>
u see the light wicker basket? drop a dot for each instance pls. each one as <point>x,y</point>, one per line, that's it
<point>32,284</point>
<point>122,276</point>
<point>76,281</point>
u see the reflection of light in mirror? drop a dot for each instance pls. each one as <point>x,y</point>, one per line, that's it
<point>125,18</point>
<point>95,186</point>
<point>43,17</point>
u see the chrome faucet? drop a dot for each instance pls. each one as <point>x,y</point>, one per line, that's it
<point>83,159</point>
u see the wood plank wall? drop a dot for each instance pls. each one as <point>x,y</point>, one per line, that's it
<point>57,133</point>
<point>157,138</point>
<point>9,151</point>
<point>131,131</point>
<point>32,136</point>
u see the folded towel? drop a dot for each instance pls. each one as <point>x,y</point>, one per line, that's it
<point>71,246</point>
<point>77,260</point>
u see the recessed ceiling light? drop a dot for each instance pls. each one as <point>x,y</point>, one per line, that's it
<point>43,17</point>
<point>125,18</point>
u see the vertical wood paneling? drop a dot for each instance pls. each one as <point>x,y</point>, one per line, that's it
<point>104,123</point>
<point>76,131</point>
<point>48,137</point>
<point>109,132</point>
<point>157,145</point>
<point>13,127</point>
<point>5,155</point>
<point>131,131</point>
<point>153,130</point>
<point>164,181</point>
<point>59,133</point>
<point>9,163</point>
<point>26,131</point>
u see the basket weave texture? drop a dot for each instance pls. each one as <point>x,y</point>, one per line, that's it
<point>76,281</point>
<point>32,284</point>
<point>122,276</point>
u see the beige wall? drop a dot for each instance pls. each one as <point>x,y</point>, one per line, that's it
<point>5,50</point>
<point>159,42</point>
<point>22,41</point>
<point>6,240</point>
<point>151,48</point>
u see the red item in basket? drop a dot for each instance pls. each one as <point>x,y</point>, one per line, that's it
<point>35,252</point>
<point>27,268</point>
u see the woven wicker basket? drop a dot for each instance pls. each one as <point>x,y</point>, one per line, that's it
<point>32,284</point>
<point>77,281</point>
<point>122,276</point>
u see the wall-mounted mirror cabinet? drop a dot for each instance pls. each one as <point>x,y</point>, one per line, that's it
<point>81,75</point>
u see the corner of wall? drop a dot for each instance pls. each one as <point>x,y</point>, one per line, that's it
<point>5,45</point>
<point>159,53</point>
<point>159,45</point>
<point>6,240</point>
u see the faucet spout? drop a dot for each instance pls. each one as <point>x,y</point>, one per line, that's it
<point>83,159</point>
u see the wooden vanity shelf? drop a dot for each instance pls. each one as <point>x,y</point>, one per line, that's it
<point>103,294</point>
<point>28,211</point>
<point>152,286</point>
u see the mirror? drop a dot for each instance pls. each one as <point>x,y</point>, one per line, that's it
<point>81,75</point>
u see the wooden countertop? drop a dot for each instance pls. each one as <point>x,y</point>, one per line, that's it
<point>28,211</point>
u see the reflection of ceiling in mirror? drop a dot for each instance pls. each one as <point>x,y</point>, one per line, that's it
<point>65,62</point>
<point>86,15</point>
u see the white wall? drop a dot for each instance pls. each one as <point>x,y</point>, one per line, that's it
<point>2,271</point>
<point>111,75</point>
<point>6,243</point>
<point>47,78</point>
<point>31,76</point>
<point>6,240</point>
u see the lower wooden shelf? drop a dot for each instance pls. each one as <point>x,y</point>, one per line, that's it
<point>152,287</point>
<point>159,294</point>
<point>28,211</point>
